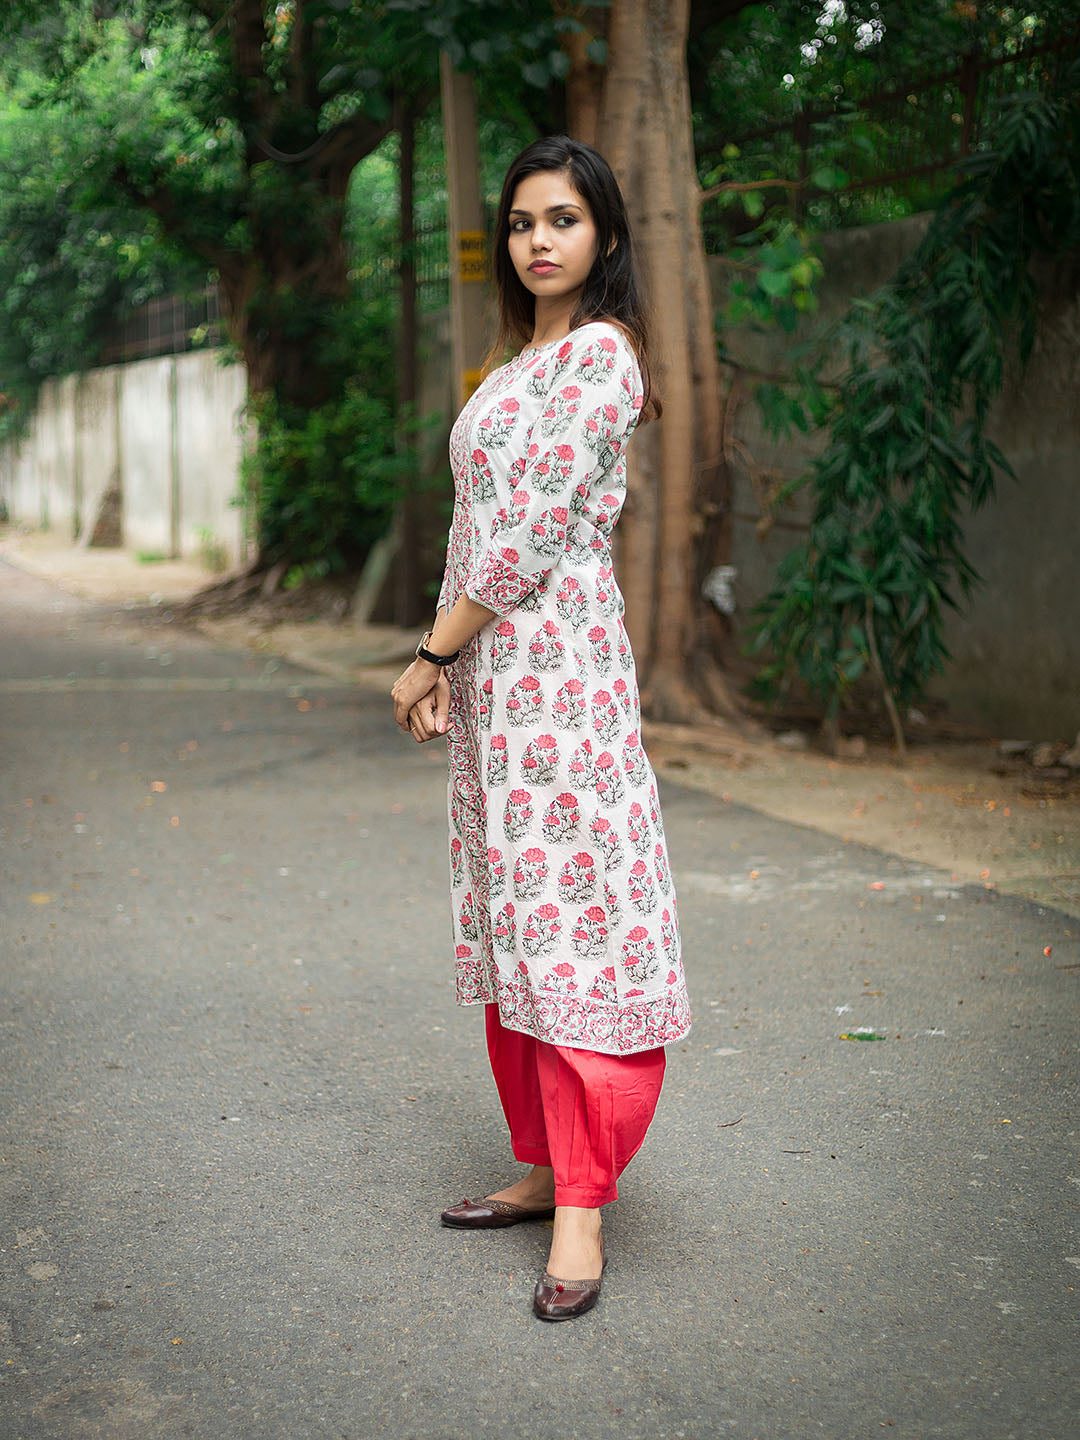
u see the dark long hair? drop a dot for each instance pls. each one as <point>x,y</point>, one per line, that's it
<point>611,291</point>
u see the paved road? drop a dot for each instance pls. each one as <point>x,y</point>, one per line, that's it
<point>237,1092</point>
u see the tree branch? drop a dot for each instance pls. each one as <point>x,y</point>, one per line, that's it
<point>348,143</point>
<point>175,220</point>
<point>734,187</point>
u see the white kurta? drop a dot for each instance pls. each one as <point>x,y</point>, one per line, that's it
<point>562,898</point>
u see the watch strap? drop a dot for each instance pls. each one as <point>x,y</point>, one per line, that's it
<point>425,654</point>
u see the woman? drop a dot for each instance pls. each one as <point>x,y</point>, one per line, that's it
<point>563,908</point>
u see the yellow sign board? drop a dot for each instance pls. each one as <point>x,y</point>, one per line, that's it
<point>472,257</point>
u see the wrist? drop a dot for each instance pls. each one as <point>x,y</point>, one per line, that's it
<point>431,654</point>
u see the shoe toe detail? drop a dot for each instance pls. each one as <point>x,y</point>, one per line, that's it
<point>488,1214</point>
<point>556,1299</point>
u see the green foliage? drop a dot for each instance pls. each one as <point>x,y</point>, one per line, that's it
<point>72,259</point>
<point>225,131</point>
<point>774,277</point>
<point>324,479</point>
<point>907,453</point>
<point>767,64</point>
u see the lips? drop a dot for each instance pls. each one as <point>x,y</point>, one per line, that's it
<point>543,267</point>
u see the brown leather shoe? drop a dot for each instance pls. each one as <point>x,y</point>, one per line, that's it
<point>490,1214</point>
<point>567,1299</point>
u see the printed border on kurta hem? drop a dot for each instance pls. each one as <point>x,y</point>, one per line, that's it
<point>584,1024</point>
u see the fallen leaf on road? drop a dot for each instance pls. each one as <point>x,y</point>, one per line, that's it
<point>158,785</point>
<point>41,897</point>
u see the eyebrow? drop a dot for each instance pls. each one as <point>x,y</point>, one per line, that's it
<point>551,209</point>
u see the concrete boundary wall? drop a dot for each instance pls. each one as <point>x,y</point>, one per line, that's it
<point>164,437</point>
<point>1015,645</point>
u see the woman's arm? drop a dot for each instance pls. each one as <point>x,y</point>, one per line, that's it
<point>421,694</point>
<point>457,628</point>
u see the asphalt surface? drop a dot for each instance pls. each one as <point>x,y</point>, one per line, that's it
<point>236,1092</point>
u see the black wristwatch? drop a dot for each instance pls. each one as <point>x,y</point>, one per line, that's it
<point>425,654</point>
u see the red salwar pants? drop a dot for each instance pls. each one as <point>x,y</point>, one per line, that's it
<point>583,1113</point>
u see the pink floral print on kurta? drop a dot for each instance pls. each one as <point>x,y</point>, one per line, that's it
<point>563,905</point>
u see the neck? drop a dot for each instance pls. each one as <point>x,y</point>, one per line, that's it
<point>551,318</point>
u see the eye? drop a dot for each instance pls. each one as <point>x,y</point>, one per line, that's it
<point>519,225</point>
<point>570,220</point>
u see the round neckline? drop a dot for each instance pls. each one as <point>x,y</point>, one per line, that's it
<point>535,349</point>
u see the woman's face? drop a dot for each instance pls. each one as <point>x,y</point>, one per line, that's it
<point>552,235</point>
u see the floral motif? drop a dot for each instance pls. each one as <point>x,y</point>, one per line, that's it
<point>504,931</point>
<point>467,919</point>
<point>634,763</point>
<point>562,406</point>
<point>530,872</point>
<point>571,603</point>
<point>562,817</point>
<point>569,706</point>
<point>518,814</point>
<point>590,933</point>
<point>546,649</point>
<point>600,650</point>
<point>608,600</point>
<point>606,839</point>
<point>582,766</point>
<point>541,932</point>
<point>660,865</point>
<point>539,762</point>
<point>605,716</point>
<point>638,829</point>
<point>524,703</point>
<point>497,427</point>
<point>577,878</point>
<point>639,955</point>
<point>496,762</point>
<point>610,788</point>
<point>642,889</point>
<point>483,482</point>
<point>504,647</point>
<point>496,871</point>
<point>603,987</point>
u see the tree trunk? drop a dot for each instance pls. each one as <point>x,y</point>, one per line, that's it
<point>645,132</point>
<point>282,298</point>
<point>407,597</point>
<point>585,78</point>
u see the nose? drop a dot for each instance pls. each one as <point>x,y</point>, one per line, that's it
<point>541,238</point>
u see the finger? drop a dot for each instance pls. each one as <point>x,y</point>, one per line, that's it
<point>442,707</point>
<point>422,714</point>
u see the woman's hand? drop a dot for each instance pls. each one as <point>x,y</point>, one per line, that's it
<point>428,717</point>
<point>422,681</point>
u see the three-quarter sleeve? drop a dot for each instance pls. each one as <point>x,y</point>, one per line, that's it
<point>589,411</point>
